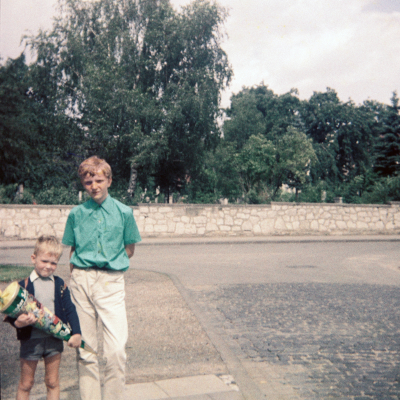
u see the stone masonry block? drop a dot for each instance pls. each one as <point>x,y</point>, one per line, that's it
<point>228,220</point>
<point>280,224</point>
<point>200,220</point>
<point>161,228</point>
<point>267,226</point>
<point>314,225</point>
<point>180,228</point>
<point>341,225</point>
<point>211,227</point>
<point>247,226</point>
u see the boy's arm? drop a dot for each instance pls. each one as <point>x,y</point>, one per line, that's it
<point>70,311</point>
<point>130,249</point>
<point>71,266</point>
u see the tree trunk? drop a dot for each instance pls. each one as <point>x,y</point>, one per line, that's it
<point>132,181</point>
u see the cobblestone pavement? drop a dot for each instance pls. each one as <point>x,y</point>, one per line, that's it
<point>326,341</point>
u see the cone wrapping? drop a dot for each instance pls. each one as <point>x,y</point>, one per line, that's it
<point>20,301</point>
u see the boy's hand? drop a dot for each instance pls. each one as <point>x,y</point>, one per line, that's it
<point>130,249</point>
<point>75,341</point>
<point>25,320</point>
<point>71,266</point>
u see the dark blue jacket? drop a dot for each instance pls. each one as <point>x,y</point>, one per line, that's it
<point>63,308</point>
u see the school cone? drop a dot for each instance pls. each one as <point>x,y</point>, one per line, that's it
<point>15,300</point>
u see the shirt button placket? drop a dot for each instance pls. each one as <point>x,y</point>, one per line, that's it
<point>99,231</point>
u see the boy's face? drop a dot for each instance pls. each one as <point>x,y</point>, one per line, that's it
<point>97,186</point>
<point>45,263</point>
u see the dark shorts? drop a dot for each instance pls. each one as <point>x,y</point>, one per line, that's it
<point>35,349</point>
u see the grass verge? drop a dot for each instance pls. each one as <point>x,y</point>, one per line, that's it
<point>10,273</point>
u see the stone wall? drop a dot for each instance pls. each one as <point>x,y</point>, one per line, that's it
<point>166,220</point>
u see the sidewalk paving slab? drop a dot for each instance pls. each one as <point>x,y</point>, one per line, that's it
<point>192,385</point>
<point>194,388</point>
<point>145,391</point>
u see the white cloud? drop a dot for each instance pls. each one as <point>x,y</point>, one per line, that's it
<point>313,44</point>
<point>22,17</point>
<point>351,46</point>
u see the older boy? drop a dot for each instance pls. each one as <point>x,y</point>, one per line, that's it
<point>35,344</point>
<point>102,234</point>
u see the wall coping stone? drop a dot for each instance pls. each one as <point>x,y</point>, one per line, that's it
<point>184,205</point>
<point>50,206</point>
<point>334,204</point>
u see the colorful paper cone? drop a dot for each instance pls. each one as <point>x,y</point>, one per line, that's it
<point>15,300</point>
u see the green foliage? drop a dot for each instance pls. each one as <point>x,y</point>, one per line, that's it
<point>295,155</point>
<point>226,164</point>
<point>10,273</point>
<point>9,195</point>
<point>258,110</point>
<point>57,195</point>
<point>118,191</point>
<point>139,81</point>
<point>382,191</point>
<point>202,190</point>
<point>257,160</point>
<point>387,149</point>
<point>18,132</point>
<point>343,136</point>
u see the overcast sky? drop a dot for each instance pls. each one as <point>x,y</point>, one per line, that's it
<point>351,46</point>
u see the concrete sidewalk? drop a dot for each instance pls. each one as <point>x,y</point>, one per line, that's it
<point>202,387</point>
<point>159,241</point>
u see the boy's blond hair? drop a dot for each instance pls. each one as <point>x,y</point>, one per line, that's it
<point>92,166</point>
<point>48,244</point>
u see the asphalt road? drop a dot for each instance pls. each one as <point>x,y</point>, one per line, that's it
<point>305,320</point>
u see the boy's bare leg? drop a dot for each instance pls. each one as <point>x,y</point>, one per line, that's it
<point>52,376</point>
<point>27,379</point>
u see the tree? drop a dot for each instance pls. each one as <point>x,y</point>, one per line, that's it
<point>258,110</point>
<point>18,134</point>
<point>272,150</point>
<point>244,119</point>
<point>33,142</point>
<point>295,155</point>
<point>387,161</point>
<point>257,160</point>
<point>343,135</point>
<point>141,81</point>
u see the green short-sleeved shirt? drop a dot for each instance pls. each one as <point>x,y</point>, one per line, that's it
<point>100,233</point>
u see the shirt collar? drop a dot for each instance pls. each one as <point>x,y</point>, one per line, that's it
<point>106,205</point>
<point>34,275</point>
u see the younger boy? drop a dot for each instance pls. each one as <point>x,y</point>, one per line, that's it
<point>35,344</point>
<point>102,234</point>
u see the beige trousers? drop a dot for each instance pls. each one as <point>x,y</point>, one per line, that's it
<point>101,294</point>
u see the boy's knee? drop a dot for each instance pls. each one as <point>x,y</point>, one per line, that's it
<point>26,385</point>
<point>52,382</point>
